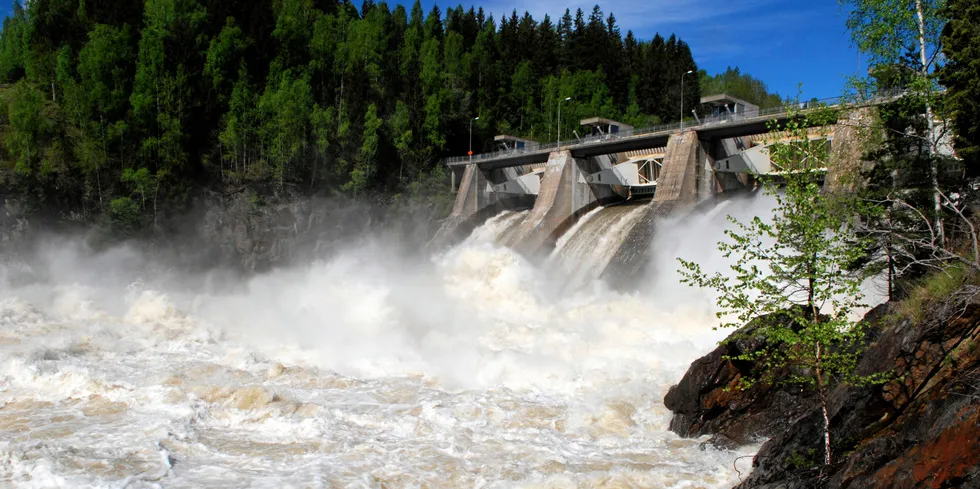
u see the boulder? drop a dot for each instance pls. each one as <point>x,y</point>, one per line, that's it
<point>707,400</point>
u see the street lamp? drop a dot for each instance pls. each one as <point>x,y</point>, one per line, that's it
<point>682,98</point>
<point>559,120</point>
<point>471,138</point>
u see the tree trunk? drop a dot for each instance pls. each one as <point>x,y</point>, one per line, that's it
<point>316,163</point>
<point>823,409</point>
<point>818,370</point>
<point>933,167</point>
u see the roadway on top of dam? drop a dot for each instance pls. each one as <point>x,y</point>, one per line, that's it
<point>654,137</point>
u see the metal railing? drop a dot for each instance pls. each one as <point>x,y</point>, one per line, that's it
<point>763,114</point>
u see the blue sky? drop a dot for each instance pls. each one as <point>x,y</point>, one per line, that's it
<point>782,42</point>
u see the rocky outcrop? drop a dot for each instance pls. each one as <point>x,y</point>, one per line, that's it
<point>252,232</point>
<point>13,220</point>
<point>920,429</point>
<point>235,229</point>
<point>708,401</point>
<point>245,229</point>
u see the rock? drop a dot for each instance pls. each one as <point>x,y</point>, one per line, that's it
<point>921,429</point>
<point>13,220</point>
<point>720,442</point>
<point>254,233</point>
<point>707,401</point>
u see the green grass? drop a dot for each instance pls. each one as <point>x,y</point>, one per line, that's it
<point>933,288</point>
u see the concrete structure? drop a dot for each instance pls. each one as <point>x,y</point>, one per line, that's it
<point>599,126</point>
<point>527,184</point>
<point>679,170</point>
<point>564,195</point>
<point>723,106</point>
<point>478,197</point>
<point>514,143</point>
<point>708,129</point>
<point>629,141</point>
<point>679,177</point>
<point>846,162</point>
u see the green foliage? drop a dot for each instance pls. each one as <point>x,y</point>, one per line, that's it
<point>740,85</point>
<point>102,64</point>
<point>804,461</point>
<point>225,56</point>
<point>794,266</point>
<point>29,126</point>
<point>277,93</point>
<point>288,105</point>
<point>887,29</point>
<point>13,47</point>
<point>890,31</point>
<point>365,167</point>
<point>141,182</point>
<point>960,74</point>
<point>931,289</point>
<point>124,215</point>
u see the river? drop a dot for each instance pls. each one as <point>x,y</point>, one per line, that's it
<point>474,368</point>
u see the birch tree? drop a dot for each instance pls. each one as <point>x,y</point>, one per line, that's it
<point>793,266</point>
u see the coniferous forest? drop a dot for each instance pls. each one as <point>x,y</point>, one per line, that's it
<point>124,106</point>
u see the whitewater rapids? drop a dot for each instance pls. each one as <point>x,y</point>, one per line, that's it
<point>365,371</point>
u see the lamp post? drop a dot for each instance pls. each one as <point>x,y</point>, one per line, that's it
<point>559,120</point>
<point>471,138</point>
<point>682,97</point>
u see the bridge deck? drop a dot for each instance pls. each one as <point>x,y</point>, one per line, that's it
<point>650,137</point>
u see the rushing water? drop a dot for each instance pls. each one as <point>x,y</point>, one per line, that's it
<point>498,229</point>
<point>365,371</point>
<point>581,255</point>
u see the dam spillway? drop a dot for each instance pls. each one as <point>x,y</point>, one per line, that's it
<point>665,176</point>
<point>582,254</point>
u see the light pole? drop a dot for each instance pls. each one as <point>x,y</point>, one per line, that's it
<point>682,97</point>
<point>559,120</point>
<point>471,138</point>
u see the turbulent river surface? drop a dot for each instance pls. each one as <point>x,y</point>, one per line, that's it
<point>472,369</point>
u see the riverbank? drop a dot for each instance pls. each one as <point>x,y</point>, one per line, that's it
<point>918,429</point>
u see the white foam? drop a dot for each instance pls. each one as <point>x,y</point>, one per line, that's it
<point>470,370</point>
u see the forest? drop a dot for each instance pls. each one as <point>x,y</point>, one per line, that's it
<point>126,107</point>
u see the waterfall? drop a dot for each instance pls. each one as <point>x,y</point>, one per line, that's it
<point>581,255</point>
<point>498,227</point>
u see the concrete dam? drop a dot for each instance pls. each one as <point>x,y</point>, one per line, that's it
<point>589,208</point>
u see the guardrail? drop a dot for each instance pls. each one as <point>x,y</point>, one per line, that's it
<point>669,128</point>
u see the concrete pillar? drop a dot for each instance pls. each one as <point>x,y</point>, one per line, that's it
<point>472,194</point>
<point>846,155</point>
<point>475,202</point>
<point>679,176</point>
<point>677,191</point>
<point>553,206</point>
<point>563,197</point>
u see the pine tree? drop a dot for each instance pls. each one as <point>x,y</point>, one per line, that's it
<point>961,46</point>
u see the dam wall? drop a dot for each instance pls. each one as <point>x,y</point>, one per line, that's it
<point>476,202</point>
<point>683,183</point>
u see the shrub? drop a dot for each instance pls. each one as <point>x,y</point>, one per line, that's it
<point>124,215</point>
